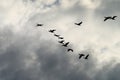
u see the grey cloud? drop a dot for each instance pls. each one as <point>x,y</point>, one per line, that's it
<point>108,73</point>
<point>114,73</point>
<point>54,63</point>
<point>108,7</point>
<point>26,55</point>
<point>57,66</point>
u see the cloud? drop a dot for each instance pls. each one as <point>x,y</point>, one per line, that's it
<point>22,60</point>
<point>109,7</point>
<point>29,52</point>
<point>108,73</point>
<point>91,4</point>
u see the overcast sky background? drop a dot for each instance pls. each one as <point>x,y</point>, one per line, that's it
<point>31,53</point>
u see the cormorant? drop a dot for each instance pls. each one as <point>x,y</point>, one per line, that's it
<point>39,24</point>
<point>60,37</point>
<point>86,57</point>
<point>79,23</point>
<point>70,50</point>
<point>61,41</point>
<point>80,56</point>
<point>52,31</point>
<point>57,35</point>
<point>66,44</point>
<point>109,17</point>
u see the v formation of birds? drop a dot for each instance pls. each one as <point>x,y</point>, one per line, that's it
<point>65,44</point>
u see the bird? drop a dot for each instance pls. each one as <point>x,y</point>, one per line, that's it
<point>109,17</point>
<point>66,44</point>
<point>39,25</point>
<point>57,35</point>
<point>52,31</point>
<point>70,50</point>
<point>87,56</point>
<point>60,37</point>
<point>80,56</point>
<point>61,41</point>
<point>79,23</point>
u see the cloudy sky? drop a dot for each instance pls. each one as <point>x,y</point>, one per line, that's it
<point>32,53</point>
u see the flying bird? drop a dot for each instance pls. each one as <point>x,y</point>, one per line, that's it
<point>61,41</point>
<point>81,55</point>
<point>52,31</point>
<point>39,25</point>
<point>79,23</point>
<point>57,35</point>
<point>109,17</point>
<point>87,56</point>
<point>60,37</point>
<point>70,50</point>
<point>66,44</point>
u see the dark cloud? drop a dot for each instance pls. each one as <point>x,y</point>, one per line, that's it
<point>57,66</point>
<point>54,63</point>
<point>109,73</point>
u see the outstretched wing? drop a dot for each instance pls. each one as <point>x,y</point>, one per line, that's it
<point>76,23</point>
<point>70,50</point>
<point>67,43</point>
<point>87,56</point>
<point>39,24</point>
<point>105,18</point>
<point>81,22</point>
<point>114,17</point>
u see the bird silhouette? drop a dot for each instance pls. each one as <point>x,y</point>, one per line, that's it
<point>70,50</point>
<point>66,44</point>
<point>39,25</point>
<point>52,31</point>
<point>79,23</point>
<point>57,35</point>
<point>61,41</point>
<point>60,38</point>
<point>86,57</point>
<point>109,17</point>
<point>81,55</point>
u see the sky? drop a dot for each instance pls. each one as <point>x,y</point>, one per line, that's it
<point>28,52</point>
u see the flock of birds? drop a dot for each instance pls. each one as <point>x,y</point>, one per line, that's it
<point>65,44</point>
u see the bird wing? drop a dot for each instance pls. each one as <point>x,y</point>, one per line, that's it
<point>114,17</point>
<point>53,30</point>
<point>87,56</point>
<point>80,22</point>
<point>60,37</point>
<point>67,43</point>
<point>39,24</point>
<point>70,50</point>
<point>76,23</point>
<point>105,18</point>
